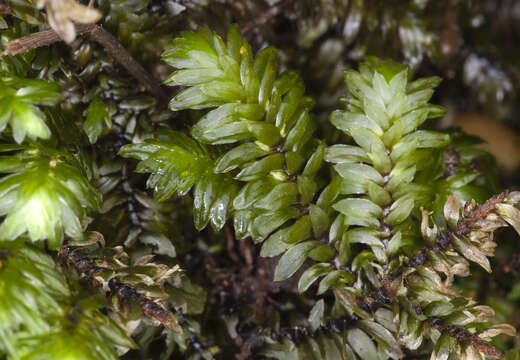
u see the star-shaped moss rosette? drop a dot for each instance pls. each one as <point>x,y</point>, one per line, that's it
<point>44,195</point>
<point>18,106</point>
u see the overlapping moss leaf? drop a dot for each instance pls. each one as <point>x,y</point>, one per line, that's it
<point>265,117</point>
<point>18,100</point>
<point>252,156</point>
<point>40,316</point>
<point>44,195</point>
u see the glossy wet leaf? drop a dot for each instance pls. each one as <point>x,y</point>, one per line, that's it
<point>97,116</point>
<point>292,260</point>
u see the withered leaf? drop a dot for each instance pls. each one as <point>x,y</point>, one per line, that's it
<point>62,14</point>
<point>471,252</point>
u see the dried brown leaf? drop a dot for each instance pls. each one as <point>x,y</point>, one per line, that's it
<point>452,211</point>
<point>510,214</point>
<point>498,329</point>
<point>471,252</point>
<point>62,14</point>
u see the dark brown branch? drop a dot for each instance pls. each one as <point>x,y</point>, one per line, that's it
<point>150,308</point>
<point>464,335</point>
<point>87,269</point>
<point>464,226</point>
<point>470,218</point>
<point>102,37</point>
<point>39,39</point>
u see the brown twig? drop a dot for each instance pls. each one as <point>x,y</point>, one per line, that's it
<point>266,16</point>
<point>470,218</point>
<point>150,308</point>
<point>102,37</point>
<point>463,335</point>
<point>464,226</point>
<point>39,39</point>
<point>88,270</point>
<point>122,56</point>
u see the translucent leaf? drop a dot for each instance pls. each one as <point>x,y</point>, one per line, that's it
<point>498,329</point>
<point>364,236</point>
<point>423,83</point>
<point>404,125</point>
<point>358,207</point>
<point>194,76</point>
<point>192,98</point>
<point>452,211</point>
<point>345,154</point>
<point>274,245</point>
<point>161,242</point>
<point>439,309</point>
<point>252,192</point>
<point>360,88</point>
<point>238,156</point>
<point>282,195</point>
<point>381,86</point>
<point>510,214</point>
<point>321,252</point>
<point>315,161</point>
<point>428,139</point>
<point>312,274</point>
<point>470,252</point>
<point>319,220</point>
<point>383,337</point>
<point>261,167</point>
<point>334,279</point>
<point>299,231</point>
<point>299,133</point>
<point>400,210</point>
<point>362,344</point>
<point>306,188</point>
<point>97,115</point>
<point>361,173</point>
<point>399,177</point>
<point>316,315</point>
<point>49,199</point>
<point>292,260</point>
<point>378,195</point>
<point>348,121</point>
<point>386,318</point>
<point>418,98</point>
<point>266,223</point>
<point>442,348</point>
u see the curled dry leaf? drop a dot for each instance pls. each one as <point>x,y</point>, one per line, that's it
<point>485,313</point>
<point>429,233</point>
<point>513,198</point>
<point>471,252</point>
<point>452,211</point>
<point>488,247</point>
<point>471,353</point>
<point>490,223</point>
<point>510,214</point>
<point>497,329</point>
<point>62,14</point>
